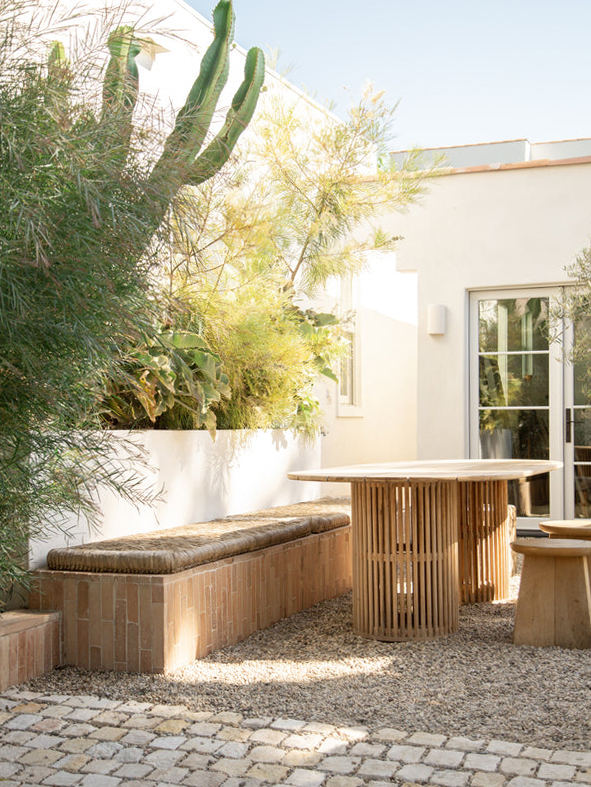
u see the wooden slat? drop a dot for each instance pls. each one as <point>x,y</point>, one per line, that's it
<point>484,521</point>
<point>411,504</point>
<point>405,536</point>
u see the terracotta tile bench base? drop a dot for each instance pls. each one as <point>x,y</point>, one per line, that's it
<point>159,622</point>
<point>29,645</point>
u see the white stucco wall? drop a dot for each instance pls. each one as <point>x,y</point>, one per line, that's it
<point>474,155</point>
<point>384,427</point>
<point>506,228</point>
<point>561,149</point>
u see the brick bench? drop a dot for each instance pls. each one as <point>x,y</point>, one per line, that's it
<point>154,602</point>
<point>29,645</point>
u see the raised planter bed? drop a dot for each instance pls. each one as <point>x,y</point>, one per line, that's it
<point>154,602</point>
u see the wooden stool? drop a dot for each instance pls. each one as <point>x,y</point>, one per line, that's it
<point>554,604</point>
<point>568,528</point>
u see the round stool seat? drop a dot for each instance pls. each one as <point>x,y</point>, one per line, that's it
<point>567,528</point>
<point>552,547</point>
<point>554,603</point>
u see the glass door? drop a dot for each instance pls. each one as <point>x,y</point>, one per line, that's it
<point>577,423</point>
<point>517,394</point>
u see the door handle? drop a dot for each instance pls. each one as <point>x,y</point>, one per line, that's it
<point>568,423</point>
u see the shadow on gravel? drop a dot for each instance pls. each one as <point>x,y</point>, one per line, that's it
<point>312,666</point>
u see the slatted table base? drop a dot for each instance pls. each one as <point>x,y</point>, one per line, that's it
<point>484,522</point>
<point>405,559</point>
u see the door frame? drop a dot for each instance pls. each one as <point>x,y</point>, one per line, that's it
<point>556,382</point>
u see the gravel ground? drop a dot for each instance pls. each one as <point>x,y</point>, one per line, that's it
<point>313,667</point>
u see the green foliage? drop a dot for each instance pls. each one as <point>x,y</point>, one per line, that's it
<point>71,286</point>
<point>300,207</point>
<point>263,354</point>
<point>322,192</point>
<point>318,331</point>
<point>86,182</point>
<point>169,381</point>
<point>575,308</point>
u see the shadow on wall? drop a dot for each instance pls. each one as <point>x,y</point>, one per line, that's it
<point>200,480</point>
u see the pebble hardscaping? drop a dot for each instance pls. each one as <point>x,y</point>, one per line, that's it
<point>97,742</point>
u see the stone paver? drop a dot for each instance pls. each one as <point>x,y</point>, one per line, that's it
<point>84,741</point>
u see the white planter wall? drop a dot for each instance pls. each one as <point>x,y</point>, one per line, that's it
<point>200,480</point>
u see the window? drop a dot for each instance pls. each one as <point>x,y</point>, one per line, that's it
<point>349,373</point>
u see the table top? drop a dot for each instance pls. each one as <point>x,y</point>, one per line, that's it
<point>432,470</point>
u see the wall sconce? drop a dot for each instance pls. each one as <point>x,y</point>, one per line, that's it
<point>436,319</point>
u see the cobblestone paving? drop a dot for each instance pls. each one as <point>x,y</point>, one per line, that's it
<point>84,741</point>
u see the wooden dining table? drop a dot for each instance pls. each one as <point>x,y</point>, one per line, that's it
<point>410,522</point>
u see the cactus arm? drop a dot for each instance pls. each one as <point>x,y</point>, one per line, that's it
<point>59,80</point>
<point>192,123</point>
<point>121,83</point>
<point>57,62</point>
<point>120,93</point>
<point>239,115</point>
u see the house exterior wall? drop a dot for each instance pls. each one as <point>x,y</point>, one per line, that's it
<point>473,155</point>
<point>382,427</point>
<point>561,149</point>
<point>513,227</point>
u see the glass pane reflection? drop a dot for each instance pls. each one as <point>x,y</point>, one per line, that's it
<point>514,324</point>
<point>582,362</point>
<point>583,491</point>
<point>582,434</point>
<point>582,418</point>
<point>531,496</point>
<point>514,380</point>
<point>514,434</point>
<point>519,434</point>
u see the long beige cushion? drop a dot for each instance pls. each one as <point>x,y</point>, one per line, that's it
<point>176,549</point>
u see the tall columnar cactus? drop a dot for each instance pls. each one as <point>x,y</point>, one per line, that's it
<point>182,161</point>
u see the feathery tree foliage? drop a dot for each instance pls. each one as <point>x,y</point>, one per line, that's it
<point>86,182</point>
<point>575,308</point>
<point>300,207</point>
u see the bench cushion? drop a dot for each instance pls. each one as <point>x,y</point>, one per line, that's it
<point>176,549</point>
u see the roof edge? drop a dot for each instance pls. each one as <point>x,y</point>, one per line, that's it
<point>517,165</point>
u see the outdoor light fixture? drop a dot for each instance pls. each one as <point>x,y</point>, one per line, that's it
<point>436,319</point>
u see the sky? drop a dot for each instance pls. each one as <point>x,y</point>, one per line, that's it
<point>463,71</point>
